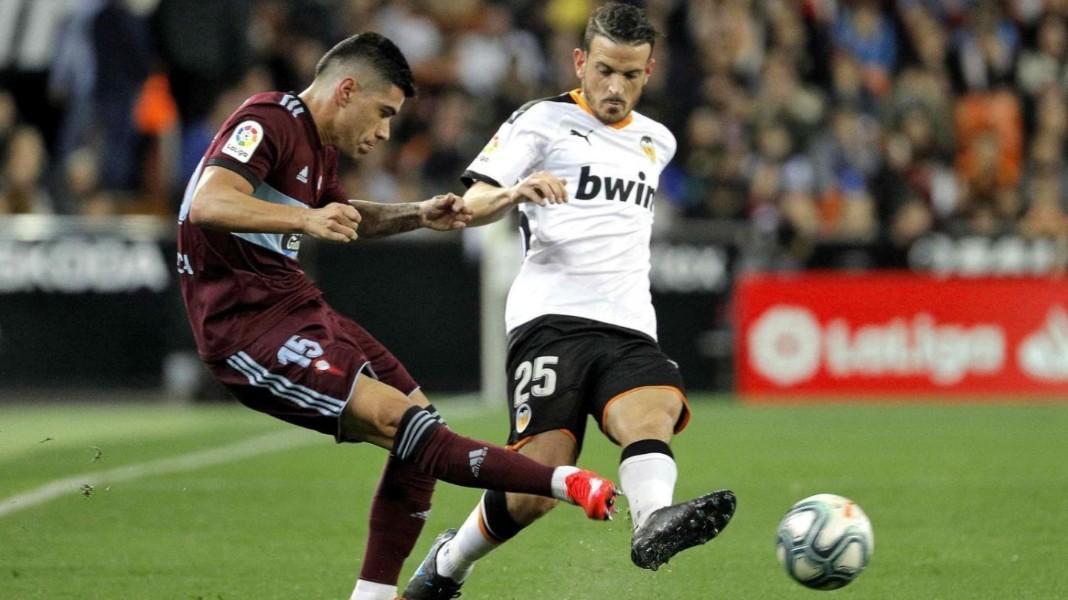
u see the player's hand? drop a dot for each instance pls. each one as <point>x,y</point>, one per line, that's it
<point>541,188</point>
<point>444,212</point>
<point>334,222</point>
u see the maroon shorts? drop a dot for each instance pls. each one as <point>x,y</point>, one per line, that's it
<point>303,370</point>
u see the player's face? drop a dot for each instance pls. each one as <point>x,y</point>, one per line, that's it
<point>365,120</point>
<point>613,76</point>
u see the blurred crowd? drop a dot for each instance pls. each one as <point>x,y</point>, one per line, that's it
<point>811,121</point>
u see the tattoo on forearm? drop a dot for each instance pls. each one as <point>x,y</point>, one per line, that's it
<point>380,220</point>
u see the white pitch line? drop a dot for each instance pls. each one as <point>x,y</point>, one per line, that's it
<point>263,444</point>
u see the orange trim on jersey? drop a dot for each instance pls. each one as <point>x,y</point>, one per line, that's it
<point>684,418</point>
<point>579,99</point>
<point>523,442</point>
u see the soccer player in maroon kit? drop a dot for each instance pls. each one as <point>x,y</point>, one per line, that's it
<point>264,330</point>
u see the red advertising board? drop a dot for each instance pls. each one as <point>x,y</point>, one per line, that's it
<point>802,335</point>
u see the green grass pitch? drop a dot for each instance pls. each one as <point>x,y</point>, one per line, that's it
<point>967,501</point>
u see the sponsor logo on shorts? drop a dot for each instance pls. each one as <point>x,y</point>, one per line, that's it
<point>244,141</point>
<point>522,418</point>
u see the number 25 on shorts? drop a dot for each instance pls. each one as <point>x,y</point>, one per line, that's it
<point>540,373</point>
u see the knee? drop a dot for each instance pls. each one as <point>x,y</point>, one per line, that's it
<point>631,419</point>
<point>373,413</point>
<point>525,509</point>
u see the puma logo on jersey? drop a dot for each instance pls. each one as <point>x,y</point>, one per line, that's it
<point>591,186</point>
<point>585,137</point>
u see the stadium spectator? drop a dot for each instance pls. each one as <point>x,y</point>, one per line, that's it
<point>846,158</point>
<point>204,45</point>
<point>782,187</point>
<point>8,119</point>
<point>868,34</point>
<point>729,68</point>
<point>29,35</point>
<point>122,57</point>
<point>986,47</point>
<point>707,179</point>
<point>1047,64</point>
<point>785,99</point>
<point>419,37</point>
<point>22,188</point>
<point>496,50</point>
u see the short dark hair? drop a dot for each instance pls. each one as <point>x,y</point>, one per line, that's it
<point>376,51</point>
<point>621,23</point>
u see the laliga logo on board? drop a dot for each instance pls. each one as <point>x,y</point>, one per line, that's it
<point>1044,354</point>
<point>784,345</point>
<point>788,346</point>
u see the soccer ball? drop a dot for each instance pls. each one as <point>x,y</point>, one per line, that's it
<point>825,541</point>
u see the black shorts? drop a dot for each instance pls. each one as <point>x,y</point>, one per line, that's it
<point>563,368</point>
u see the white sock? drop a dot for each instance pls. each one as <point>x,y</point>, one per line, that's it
<point>648,481</point>
<point>560,482</point>
<point>369,590</point>
<point>457,556</point>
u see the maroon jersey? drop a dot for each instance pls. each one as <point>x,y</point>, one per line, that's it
<point>238,285</point>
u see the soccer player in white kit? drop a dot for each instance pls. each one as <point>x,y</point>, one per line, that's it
<point>583,168</point>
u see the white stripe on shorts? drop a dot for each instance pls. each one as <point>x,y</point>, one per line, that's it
<point>307,391</point>
<point>279,386</point>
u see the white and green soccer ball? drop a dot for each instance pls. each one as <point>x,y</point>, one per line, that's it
<point>825,541</point>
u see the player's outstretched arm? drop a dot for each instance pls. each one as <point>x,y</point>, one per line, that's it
<point>441,213</point>
<point>223,200</point>
<point>489,203</point>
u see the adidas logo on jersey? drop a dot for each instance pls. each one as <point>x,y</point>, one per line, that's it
<point>477,457</point>
<point>292,104</point>
<point>302,176</point>
<point>590,186</point>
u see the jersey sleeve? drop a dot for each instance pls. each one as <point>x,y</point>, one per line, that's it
<point>257,140</point>
<point>514,152</point>
<point>672,146</point>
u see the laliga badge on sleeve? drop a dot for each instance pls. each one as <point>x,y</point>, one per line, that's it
<point>244,141</point>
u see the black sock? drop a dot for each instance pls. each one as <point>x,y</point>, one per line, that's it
<point>502,527</point>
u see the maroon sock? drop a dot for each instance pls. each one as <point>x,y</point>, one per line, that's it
<point>398,513</point>
<point>463,461</point>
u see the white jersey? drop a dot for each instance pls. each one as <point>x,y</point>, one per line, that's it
<point>589,257</point>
